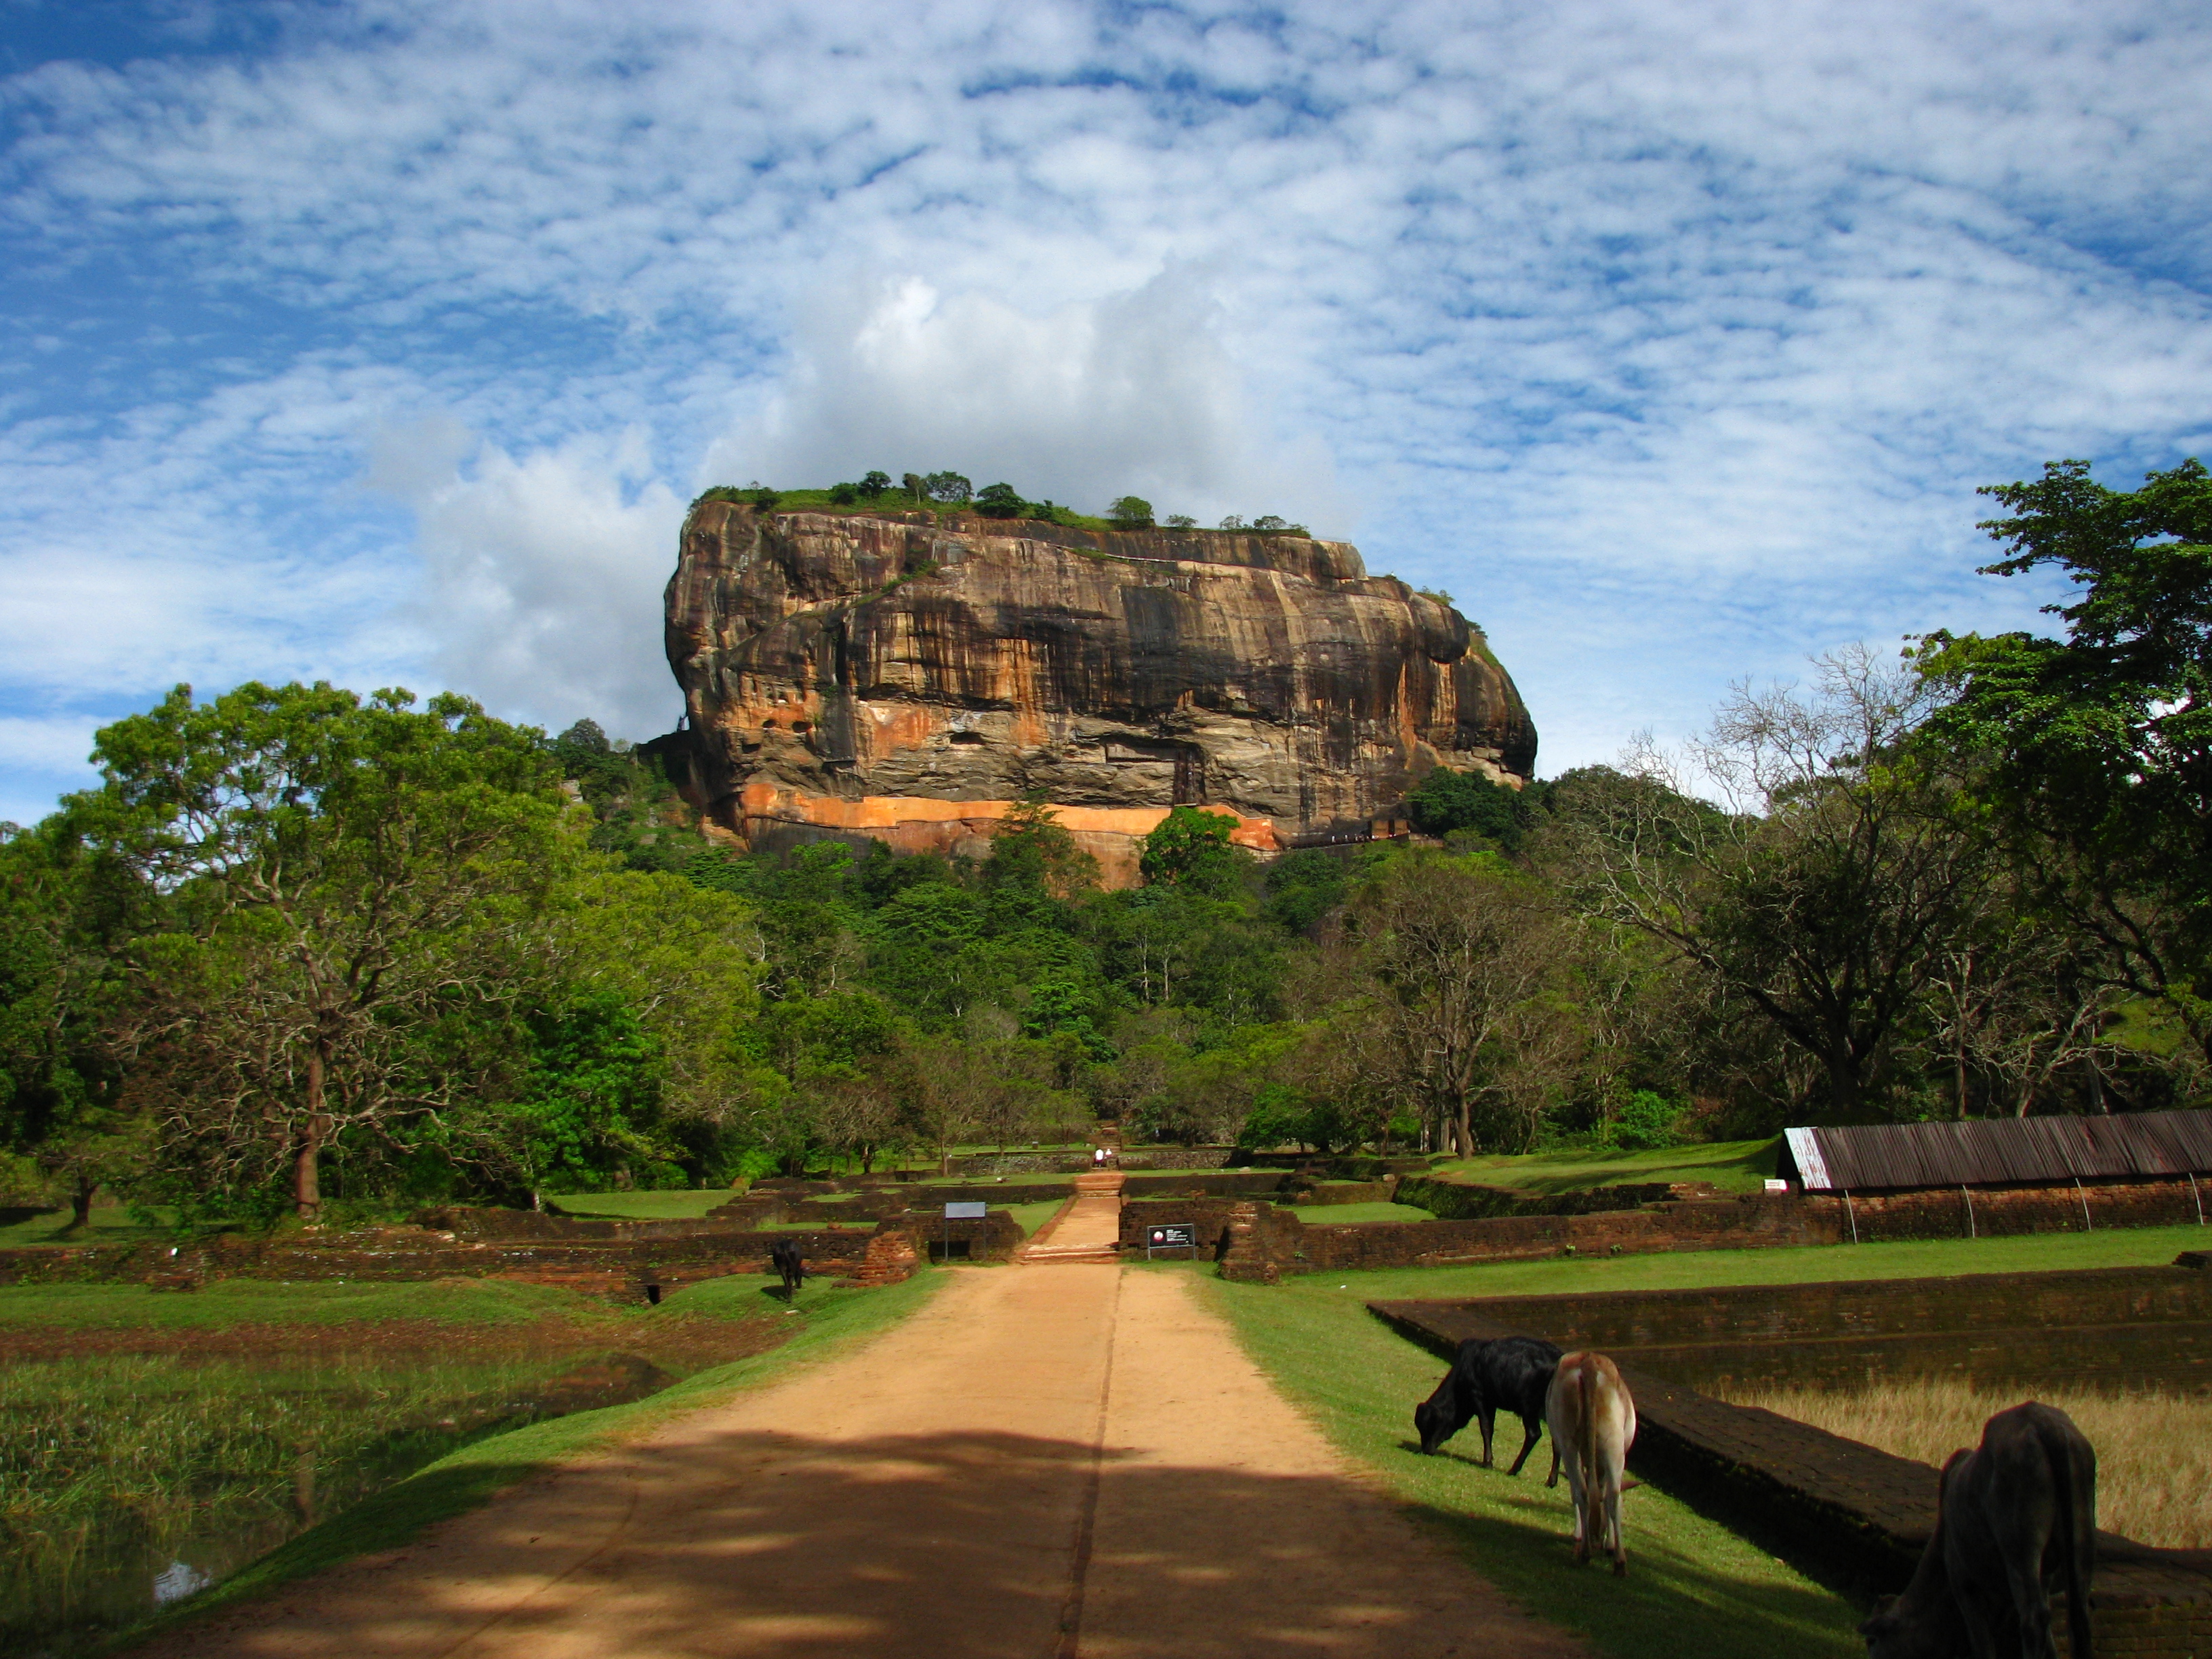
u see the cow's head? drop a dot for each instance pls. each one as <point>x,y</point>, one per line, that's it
<point>1433,1423</point>
<point>1897,1632</point>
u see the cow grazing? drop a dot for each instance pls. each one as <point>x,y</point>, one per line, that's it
<point>2014,1519</point>
<point>1593,1423</point>
<point>783,1256</point>
<point>1510,1373</point>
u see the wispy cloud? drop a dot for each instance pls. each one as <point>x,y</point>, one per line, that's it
<point>388,342</point>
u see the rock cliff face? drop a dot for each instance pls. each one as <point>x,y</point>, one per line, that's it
<point>892,676</point>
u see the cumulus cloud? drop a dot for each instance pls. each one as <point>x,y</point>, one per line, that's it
<point>1133,392</point>
<point>541,574</point>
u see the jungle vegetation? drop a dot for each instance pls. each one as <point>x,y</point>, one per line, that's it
<point>308,954</point>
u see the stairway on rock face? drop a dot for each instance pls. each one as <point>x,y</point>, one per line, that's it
<point>1089,1230</point>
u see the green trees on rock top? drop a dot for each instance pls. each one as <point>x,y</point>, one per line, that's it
<point>1130,512</point>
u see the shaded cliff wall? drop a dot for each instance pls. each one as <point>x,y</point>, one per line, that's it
<point>895,677</point>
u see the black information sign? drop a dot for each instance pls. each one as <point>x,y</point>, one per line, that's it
<point>1172,1235</point>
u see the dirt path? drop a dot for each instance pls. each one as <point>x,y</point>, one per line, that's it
<point>1043,1462</point>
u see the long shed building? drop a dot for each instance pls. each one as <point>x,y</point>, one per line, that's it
<point>1999,1175</point>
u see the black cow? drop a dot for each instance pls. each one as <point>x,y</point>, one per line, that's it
<point>2015,1519</point>
<point>783,1256</point>
<point>1510,1373</point>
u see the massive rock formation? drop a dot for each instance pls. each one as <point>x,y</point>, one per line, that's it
<point>894,676</point>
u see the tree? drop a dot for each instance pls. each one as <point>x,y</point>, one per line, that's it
<point>1446,800</point>
<point>875,484</point>
<point>1826,894</point>
<point>999,501</point>
<point>916,486</point>
<point>1130,512</point>
<point>64,914</point>
<point>591,1099</point>
<point>344,876</point>
<point>948,487</point>
<point>1464,959</point>
<point>686,963</point>
<point>1190,849</point>
<point>1031,848</point>
<point>2099,746</point>
<point>1180,522</point>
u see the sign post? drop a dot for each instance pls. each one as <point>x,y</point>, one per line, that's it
<point>961,1213</point>
<point>1172,1236</point>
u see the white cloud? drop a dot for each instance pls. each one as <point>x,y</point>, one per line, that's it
<point>541,575</point>
<point>1130,393</point>
<point>1672,338</point>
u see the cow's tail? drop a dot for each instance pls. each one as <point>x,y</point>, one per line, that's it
<point>1586,1448</point>
<point>2078,1570</point>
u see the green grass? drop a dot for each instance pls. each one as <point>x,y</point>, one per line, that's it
<point>829,1321</point>
<point>680,1206</point>
<point>1734,1166</point>
<point>1347,1214</point>
<point>108,1225</point>
<point>1693,1588</point>
<point>1031,1217</point>
<point>255,1302</point>
<point>1810,1264</point>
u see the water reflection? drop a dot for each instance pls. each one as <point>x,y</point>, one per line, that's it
<point>128,1484</point>
<point>177,1581</point>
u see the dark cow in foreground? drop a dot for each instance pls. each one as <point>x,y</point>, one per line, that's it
<point>2014,1519</point>
<point>783,1256</point>
<point>1510,1373</point>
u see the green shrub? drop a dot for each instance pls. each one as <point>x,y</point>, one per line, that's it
<point>1645,1124</point>
<point>1130,512</point>
<point>1446,800</point>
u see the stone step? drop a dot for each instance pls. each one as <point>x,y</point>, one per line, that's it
<point>1046,1255</point>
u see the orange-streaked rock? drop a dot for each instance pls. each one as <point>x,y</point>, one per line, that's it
<point>886,675</point>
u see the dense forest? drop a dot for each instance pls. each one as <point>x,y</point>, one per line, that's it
<point>310,954</point>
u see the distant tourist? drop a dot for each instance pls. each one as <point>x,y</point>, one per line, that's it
<point>1097,1158</point>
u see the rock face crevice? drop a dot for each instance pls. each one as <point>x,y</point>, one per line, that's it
<point>897,676</point>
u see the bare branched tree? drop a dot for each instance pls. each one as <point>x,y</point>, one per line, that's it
<point>1827,887</point>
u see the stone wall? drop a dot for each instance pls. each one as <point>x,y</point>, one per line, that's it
<point>2132,1324</point>
<point>621,1268</point>
<point>1990,1213</point>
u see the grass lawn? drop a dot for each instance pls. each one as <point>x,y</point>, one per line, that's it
<point>678,1205</point>
<point>1734,1166</point>
<point>828,1320</point>
<point>230,1302</point>
<point>1031,1217</point>
<point>109,1225</point>
<point>1347,1214</point>
<point>1693,1588</point>
<point>1811,1264</point>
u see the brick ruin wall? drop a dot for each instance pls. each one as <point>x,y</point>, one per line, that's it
<point>1277,1241</point>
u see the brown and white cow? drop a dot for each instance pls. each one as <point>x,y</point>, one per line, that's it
<point>1593,1423</point>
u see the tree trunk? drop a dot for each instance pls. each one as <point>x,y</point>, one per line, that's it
<point>307,1150</point>
<point>81,1201</point>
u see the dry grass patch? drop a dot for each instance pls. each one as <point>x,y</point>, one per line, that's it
<point>2153,1449</point>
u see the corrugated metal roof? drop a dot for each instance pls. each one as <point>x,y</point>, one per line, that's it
<point>2000,1152</point>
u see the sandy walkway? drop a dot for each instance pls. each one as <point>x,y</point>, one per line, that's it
<point>1045,1462</point>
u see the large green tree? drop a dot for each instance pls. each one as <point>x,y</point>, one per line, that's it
<point>346,876</point>
<point>2099,745</point>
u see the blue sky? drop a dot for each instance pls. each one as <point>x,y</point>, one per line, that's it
<point>386,342</point>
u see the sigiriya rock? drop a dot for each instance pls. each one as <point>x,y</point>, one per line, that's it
<point>906,677</point>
